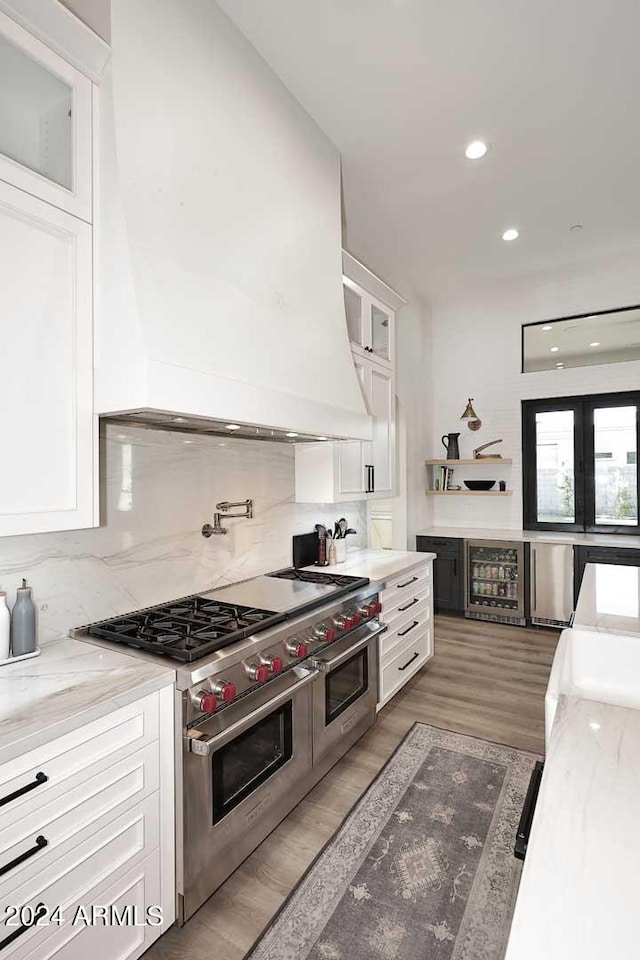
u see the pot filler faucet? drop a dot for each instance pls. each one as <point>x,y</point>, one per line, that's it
<point>225,506</point>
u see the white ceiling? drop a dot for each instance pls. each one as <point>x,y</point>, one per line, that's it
<point>401,86</point>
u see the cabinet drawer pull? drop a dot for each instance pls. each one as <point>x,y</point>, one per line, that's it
<point>407,605</point>
<point>410,627</point>
<point>41,843</point>
<point>407,583</point>
<point>39,780</point>
<point>39,911</point>
<point>409,661</point>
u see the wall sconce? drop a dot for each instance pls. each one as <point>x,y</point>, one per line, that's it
<point>471,417</point>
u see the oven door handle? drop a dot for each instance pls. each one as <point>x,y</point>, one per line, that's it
<point>203,748</point>
<point>326,666</point>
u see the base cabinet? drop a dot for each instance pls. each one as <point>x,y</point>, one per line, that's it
<point>448,572</point>
<point>407,610</point>
<point>87,839</point>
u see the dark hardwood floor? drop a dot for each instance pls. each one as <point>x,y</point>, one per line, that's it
<point>486,680</point>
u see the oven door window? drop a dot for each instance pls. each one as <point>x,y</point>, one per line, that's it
<point>242,765</point>
<point>345,684</point>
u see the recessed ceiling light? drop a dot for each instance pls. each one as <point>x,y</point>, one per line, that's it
<point>187,441</point>
<point>178,419</point>
<point>559,365</point>
<point>547,326</point>
<point>510,234</point>
<point>232,426</point>
<point>554,349</point>
<point>292,434</point>
<point>576,228</point>
<point>596,343</point>
<point>321,438</point>
<point>476,150</point>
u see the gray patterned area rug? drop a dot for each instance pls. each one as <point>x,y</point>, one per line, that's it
<point>422,868</point>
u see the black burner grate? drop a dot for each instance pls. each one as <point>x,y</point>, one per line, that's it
<point>187,629</point>
<point>317,576</point>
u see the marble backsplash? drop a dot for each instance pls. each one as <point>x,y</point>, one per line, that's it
<point>157,490</point>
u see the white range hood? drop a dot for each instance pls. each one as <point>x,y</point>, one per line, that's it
<point>218,235</point>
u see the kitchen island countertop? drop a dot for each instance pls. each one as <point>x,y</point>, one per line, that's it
<point>578,893</point>
<point>70,684</point>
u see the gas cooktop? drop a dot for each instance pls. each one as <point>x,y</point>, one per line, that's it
<point>186,629</point>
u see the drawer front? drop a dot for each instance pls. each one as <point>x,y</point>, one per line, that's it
<point>397,588</point>
<point>130,896</point>
<point>73,878</point>
<point>30,844</point>
<point>406,602</point>
<point>439,545</point>
<point>406,662</point>
<point>42,776</point>
<point>413,622</point>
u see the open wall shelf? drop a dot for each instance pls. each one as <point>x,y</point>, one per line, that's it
<point>470,493</point>
<point>494,461</point>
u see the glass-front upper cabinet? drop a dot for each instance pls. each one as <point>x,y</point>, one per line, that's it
<point>369,323</point>
<point>380,330</point>
<point>45,122</point>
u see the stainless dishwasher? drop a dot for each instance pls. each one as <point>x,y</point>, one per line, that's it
<point>551,584</point>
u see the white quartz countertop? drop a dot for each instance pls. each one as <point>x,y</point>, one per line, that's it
<point>578,895</point>
<point>609,600</point>
<point>71,683</point>
<point>533,536</point>
<point>377,565</point>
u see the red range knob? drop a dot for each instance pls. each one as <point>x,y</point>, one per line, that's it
<point>257,671</point>
<point>329,635</point>
<point>376,607</point>
<point>325,634</point>
<point>225,690</point>
<point>296,649</point>
<point>348,623</point>
<point>275,664</point>
<point>356,619</point>
<point>208,702</point>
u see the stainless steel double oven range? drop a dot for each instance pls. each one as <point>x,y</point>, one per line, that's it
<point>277,679</point>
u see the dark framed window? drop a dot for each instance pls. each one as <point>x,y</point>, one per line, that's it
<point>579,457</point>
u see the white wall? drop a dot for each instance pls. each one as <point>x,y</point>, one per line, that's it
<point>476,353</point>
<point>157,491</point>
<point>95,13</point>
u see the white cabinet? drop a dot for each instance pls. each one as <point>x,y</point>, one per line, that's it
<point>338,472</point>
<point>381,404</point>
<point>407,609</point>
<point>88,820</point>
<point>342,471</point>
<point>45,122</point>
<point>369,324</point>
<point>46,368</point>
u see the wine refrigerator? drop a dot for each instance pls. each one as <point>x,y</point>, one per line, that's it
<point>495,581</point>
